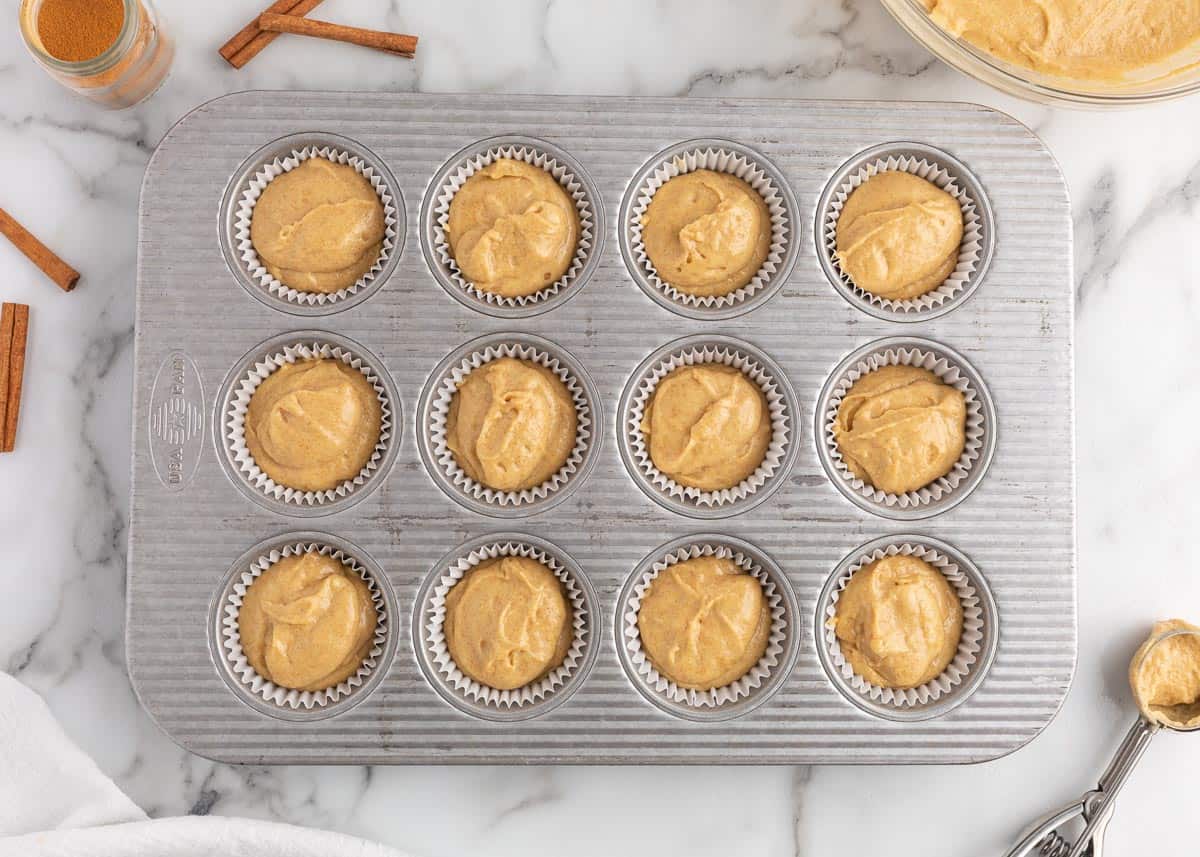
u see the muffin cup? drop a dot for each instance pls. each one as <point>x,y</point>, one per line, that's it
<point>235,401</point>
<point>980,434</point>
<point>473,697</point>
<point>947,173</point>
<point>781,402</point>
<point>558,164</point>
<point>286,702</point>
<point>976,647</point>
<point>721,156</point>
<point>749,691</point>
<point>435,408</point>
<point>274,160</point>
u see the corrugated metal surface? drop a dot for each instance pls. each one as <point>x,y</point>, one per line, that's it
<point>1018,526</point>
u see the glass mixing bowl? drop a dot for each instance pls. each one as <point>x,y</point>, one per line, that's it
<point>1158,83</point>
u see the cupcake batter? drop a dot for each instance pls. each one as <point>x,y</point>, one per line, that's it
<point>898,235</point>
<point>512,229</point>
<point>1098,40</point>
<point>508,622</point>
<point>898,622</point>
<point>707,233</point>
<point>307,622</point>
<point>511,424</point>
<point>900,428</point>
<point>313,424</point>
<point>707,426</point>
<point>1166,678</point>
<point>704,622</point>
<point>318,227</point>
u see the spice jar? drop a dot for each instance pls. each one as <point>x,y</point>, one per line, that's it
<point>113,52</point>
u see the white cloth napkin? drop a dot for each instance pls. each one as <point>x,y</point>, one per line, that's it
<point>55,801</point>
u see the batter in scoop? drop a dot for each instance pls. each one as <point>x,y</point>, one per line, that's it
<point>1166,677</point>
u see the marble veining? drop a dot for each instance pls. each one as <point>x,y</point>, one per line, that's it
<point>72,175</point>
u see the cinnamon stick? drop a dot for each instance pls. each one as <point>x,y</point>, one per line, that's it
<point>395,43</point>
<point>8,320</point>
<point>63,275</point>
<point>247,34</point>
<point>251,39</point>
<point>15,373</point>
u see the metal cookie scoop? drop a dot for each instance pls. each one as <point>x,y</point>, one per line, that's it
<point>1051,835</point>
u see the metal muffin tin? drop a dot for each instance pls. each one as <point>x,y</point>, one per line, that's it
<point>192,521</point>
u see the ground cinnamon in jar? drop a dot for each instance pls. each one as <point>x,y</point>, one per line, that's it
<point>79,30</point>
<point>114,52</point>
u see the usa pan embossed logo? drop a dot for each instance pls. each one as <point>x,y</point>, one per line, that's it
<point>176,420</point>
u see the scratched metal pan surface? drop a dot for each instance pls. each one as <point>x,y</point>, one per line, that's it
<point>195,524</point>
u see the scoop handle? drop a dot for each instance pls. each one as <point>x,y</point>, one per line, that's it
<point>1128,754</point>
<point>1043,837</point>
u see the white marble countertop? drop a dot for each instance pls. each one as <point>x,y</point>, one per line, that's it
<point>72,173</point>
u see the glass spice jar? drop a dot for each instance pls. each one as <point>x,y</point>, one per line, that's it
<point>128,70</point>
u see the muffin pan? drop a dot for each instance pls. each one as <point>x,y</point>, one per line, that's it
<point>197,524</point>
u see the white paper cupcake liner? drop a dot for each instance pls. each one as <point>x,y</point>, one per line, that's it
<point>244,212</point>
<point>234,422</point>
<point>434,637</point>
<point>781,425</point>
<point>970,251</point>
<point>439,410</point>
<point>948,373</point>
<point>969,643</point>
<point>561,173</point>
<point>248,677</point>
<point>722,161</point>
<point>758,675</point>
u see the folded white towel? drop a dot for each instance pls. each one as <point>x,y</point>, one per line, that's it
<point>55,801</point>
